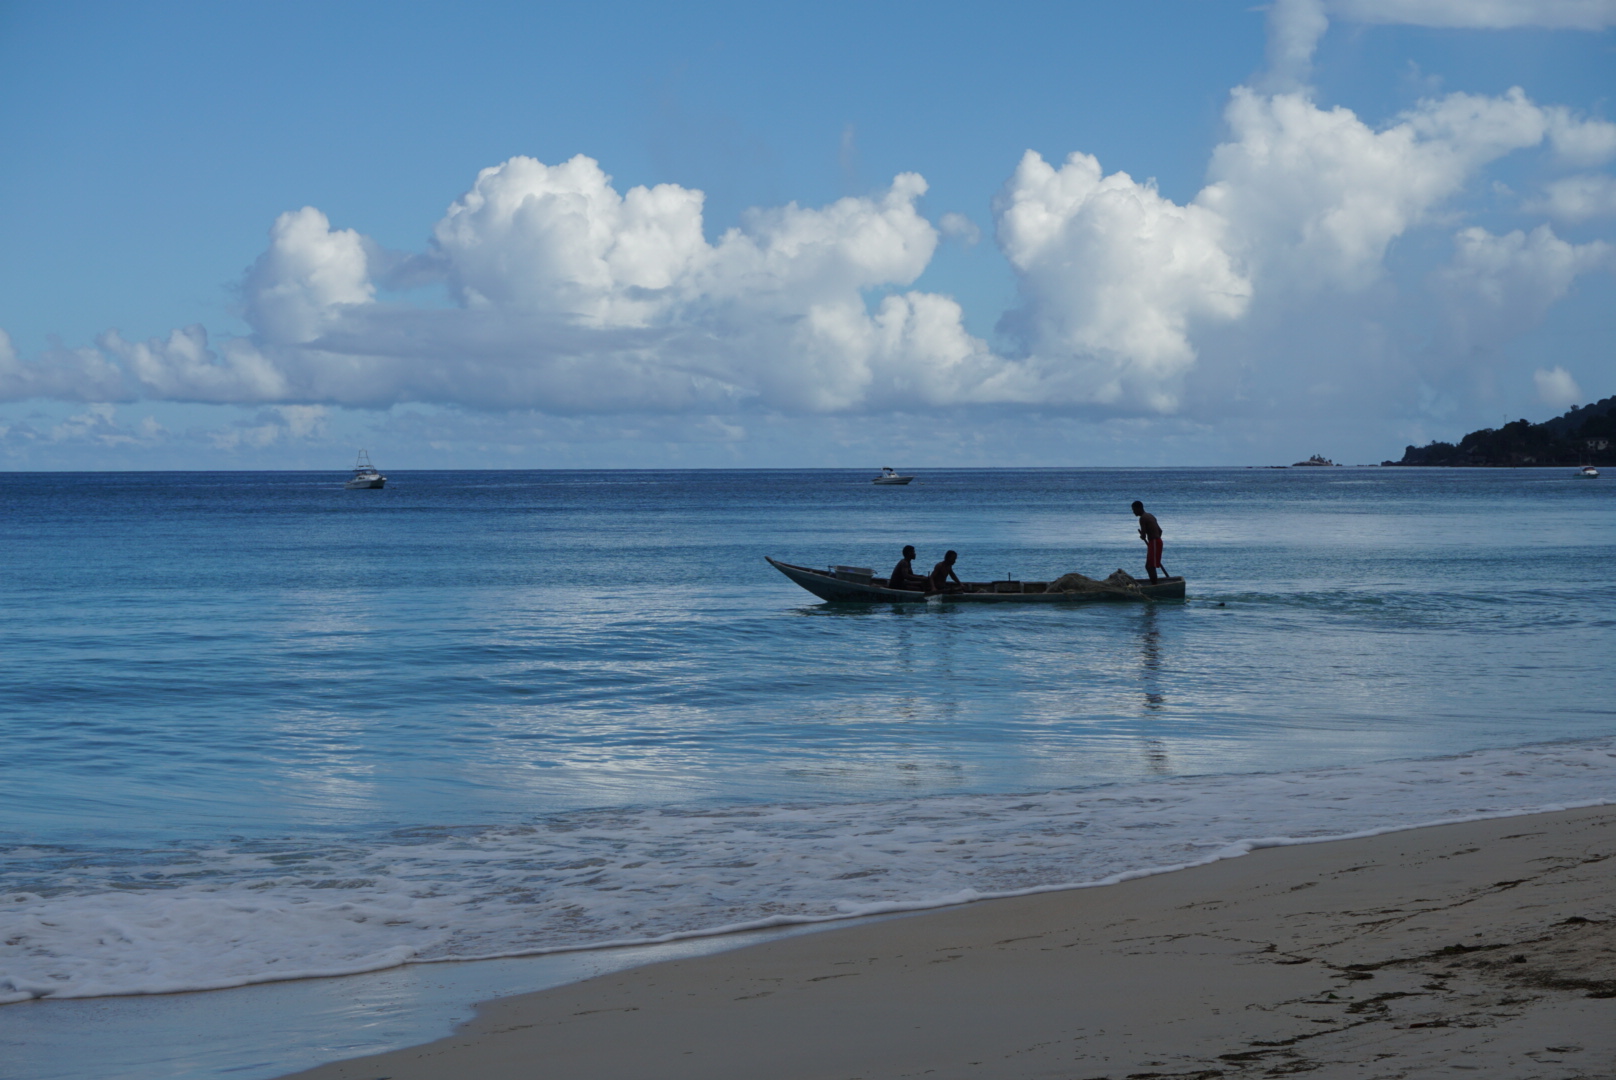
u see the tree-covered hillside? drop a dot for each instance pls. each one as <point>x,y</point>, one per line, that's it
<point>1586,435</point>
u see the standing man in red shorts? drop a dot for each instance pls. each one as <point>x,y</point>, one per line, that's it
<point>1150,532</point>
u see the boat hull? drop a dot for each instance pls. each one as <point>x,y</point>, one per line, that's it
<point>892,480</point>
<point>837,590</point>
<point>1164,589</point>
<point>355,485</point>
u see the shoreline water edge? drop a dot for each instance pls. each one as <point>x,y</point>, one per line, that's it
<point>648,876</point>
<point>1484,945</point>
<point>1474,788</point>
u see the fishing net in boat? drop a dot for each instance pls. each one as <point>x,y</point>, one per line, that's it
<point>1075,582</point>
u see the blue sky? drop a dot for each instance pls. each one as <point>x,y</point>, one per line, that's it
<point>1341,229</point>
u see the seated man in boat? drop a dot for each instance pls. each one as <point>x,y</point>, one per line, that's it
<point>942,572</point>
<point>904,576</point>
<point>1150,531</point>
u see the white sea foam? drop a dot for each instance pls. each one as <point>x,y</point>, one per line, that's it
<point>191,918</point>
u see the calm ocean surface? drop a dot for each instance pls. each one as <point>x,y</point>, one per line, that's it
<point>254,726</point>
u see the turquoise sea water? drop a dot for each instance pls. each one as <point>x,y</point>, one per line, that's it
<point>254,726</point>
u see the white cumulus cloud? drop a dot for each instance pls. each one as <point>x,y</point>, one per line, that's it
<point>1294,30</point>
<point>1577,198</point>
<point>310,274</point>
<point>1498,286</point>
<point>1556,387</point>
<point>1482,14</point>
<point>570,296</point>
<point>1316,195</point>
<point>1114,275</point>
<point>279,423</point>
<point>1296,26</point>
<point>1581,142</point>
<point>561,240</point>
<point>961,228</point>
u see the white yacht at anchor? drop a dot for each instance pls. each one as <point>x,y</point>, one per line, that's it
<point>365,474</point>
<point>890,475</point>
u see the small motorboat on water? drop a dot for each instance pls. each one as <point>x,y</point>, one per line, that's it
<point>890,475</point>
<point>858,585</point>
<point>1587,472</point>
<point>365,474</point>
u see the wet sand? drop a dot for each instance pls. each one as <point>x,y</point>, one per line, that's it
<point>1484,949</point>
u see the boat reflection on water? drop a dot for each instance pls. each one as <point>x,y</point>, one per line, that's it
<point>1150,682</point>
<point>1150,659</point>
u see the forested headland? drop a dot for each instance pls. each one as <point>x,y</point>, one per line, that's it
<point>1584,435</point>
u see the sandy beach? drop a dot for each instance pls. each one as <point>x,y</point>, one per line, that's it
<point>1485,948</point>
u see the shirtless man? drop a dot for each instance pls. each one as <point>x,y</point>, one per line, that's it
<point>904,576</point>
<point>942,572</point>
<point>1150,532</point>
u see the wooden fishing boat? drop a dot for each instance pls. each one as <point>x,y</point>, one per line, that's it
<point>856,585</point>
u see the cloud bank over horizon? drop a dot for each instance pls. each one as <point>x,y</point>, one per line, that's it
<point>555,292</point>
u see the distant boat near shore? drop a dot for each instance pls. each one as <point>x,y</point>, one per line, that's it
<point>1587,472</point>
<point>365,474</point>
